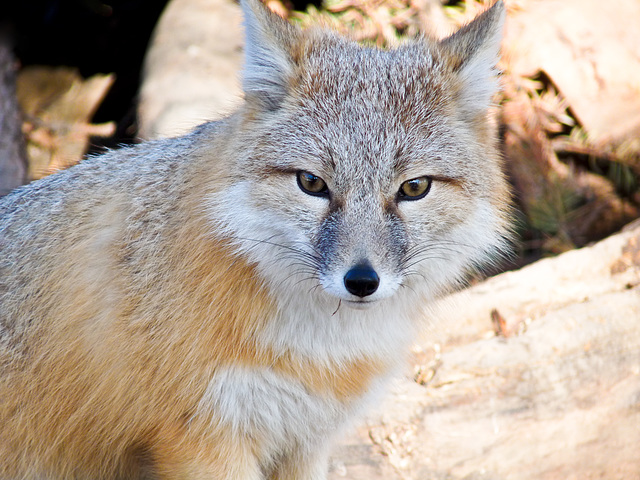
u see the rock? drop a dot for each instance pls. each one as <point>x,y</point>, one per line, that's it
<point>591,52</point>
<point>191,69</point>
<point>556,395</point>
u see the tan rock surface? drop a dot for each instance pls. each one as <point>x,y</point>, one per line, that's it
<point>191,71</point>
<point>591,50</point>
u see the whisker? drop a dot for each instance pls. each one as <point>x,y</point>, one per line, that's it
<point>305,279</point>
<point>430,251</point>
<point>304,263</point>
<point>422,259</point>
<point>338,307</point>
<point>403,285</point>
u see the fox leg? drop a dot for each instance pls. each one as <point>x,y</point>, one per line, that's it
<point>302,466</point>
<point>188,457</point>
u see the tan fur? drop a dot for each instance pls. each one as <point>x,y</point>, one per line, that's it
<point>342,381</point>
<point>179,309</point>
<point>85,362</point>
<point>207,276</point>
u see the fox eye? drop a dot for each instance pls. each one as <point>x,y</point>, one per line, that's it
<point>311,184</point>
<point>415,189</point>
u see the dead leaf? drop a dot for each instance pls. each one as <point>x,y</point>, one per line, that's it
<point>58,106</point>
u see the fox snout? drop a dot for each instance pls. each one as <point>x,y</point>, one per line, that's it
<point>361,283</point>
<point>361,254</point>
<point>361,280</point>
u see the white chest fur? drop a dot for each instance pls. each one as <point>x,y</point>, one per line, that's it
<point>261,404</point>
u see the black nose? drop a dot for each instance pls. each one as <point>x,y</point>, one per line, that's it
<point>362,280</point>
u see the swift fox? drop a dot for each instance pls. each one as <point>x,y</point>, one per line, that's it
<point>220,305</point>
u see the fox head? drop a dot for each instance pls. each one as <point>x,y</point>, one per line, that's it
<point>365,172</point>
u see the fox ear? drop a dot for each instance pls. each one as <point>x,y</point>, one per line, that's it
<point>474,52</point>
<point>268,66</point>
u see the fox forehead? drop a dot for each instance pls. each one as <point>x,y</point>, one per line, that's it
<point>354,146</point>
<point>352,108</point>
<point>351,112</point>
<point>341,70</point>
